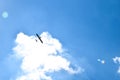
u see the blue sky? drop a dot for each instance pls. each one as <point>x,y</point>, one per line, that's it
<point>88,29</point>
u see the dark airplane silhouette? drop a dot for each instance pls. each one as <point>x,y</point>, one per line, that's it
<point>39,38</point>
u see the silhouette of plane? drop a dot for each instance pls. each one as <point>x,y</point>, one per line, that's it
<point>39,38</point>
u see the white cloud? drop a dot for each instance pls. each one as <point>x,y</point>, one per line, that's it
<point>5,14</point>
<point>101,61</point>
<point>118,70</point>
<point>38,58</point>
<point>117,61</point>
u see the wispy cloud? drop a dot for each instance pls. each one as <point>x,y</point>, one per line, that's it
<point>101,61</point>
<point>5,14</point>
<point>39,59</point>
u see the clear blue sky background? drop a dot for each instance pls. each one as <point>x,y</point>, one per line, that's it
<point>87,28</point>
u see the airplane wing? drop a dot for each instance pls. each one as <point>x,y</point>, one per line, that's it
<point>39,38</point>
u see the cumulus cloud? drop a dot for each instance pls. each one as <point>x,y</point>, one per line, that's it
<point>39,59</point>
<point>117,61</point>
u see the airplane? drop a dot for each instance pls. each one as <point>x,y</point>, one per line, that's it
<point>39,38</point>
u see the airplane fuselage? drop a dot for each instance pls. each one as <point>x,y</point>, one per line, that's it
<point>39,38</point>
